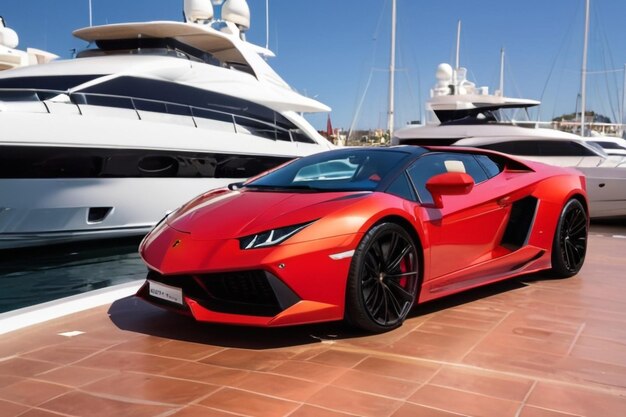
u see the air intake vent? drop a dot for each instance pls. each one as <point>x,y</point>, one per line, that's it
<point>520,223</point>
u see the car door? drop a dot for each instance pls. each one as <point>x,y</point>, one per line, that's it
<point>467,229</point>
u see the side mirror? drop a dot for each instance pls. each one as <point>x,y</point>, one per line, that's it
<point>449,183</point>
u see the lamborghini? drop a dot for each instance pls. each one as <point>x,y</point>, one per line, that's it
<point>364,234</point>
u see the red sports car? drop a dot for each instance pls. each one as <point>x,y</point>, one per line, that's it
<point>363,234</point>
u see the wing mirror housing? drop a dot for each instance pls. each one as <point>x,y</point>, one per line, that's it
<point>449,183</point>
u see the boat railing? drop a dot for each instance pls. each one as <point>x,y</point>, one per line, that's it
<point>240,123</point>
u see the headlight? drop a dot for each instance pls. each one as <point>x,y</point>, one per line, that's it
<point>271,237</point>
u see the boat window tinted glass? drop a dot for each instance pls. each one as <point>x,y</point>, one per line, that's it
<point>402,188</point>
<point>609,145</point>
<point>341,170</point>
<point>150,46</point>
<point>492,165</point>
<point>71,162</point>
<point>299,136</point>
<point>206,104</point>
<point>60,82</point>
<point>430,165</point>
<point>563,148</point>
<point>541,148</point>
<point>519,147</point>
<point>264,130</point>
<point>428,141</point>
<point>107,101</point>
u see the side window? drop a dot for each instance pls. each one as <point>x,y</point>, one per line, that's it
<point>402,188</point>
<point>491,165</point>
<point>438,163</point>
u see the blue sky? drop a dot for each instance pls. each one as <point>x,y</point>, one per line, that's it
<point>327,49</point>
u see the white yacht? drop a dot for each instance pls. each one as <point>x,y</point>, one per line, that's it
<point>151,115</point>
<point>610,144</point>
<point>10,57</point>
<point>462,114</point>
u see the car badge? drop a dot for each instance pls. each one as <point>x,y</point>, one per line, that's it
<point>177,243</point>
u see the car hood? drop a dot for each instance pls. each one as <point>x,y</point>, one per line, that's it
<point>227,214</point>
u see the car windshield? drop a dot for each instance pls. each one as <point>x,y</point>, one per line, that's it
<point>341,170</point>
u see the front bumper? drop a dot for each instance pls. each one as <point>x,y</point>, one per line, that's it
<point>277,286</point>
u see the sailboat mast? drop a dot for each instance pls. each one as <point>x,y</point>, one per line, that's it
<point>501,72</point>
<point>623,109</point>
<point>392,70</point>
<point>457,63</point>
<point>267,24</point>
<point>583,85</point>
<point>90,14</point>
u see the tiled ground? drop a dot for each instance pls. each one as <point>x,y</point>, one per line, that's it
<point>529,348</point>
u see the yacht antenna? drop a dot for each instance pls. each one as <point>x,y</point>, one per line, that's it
<point>502,72</point>
<point>583,83</point>
<point>392,70</point>
<point>457,64</point>
<point>267,24</point>
<point>90,14</point>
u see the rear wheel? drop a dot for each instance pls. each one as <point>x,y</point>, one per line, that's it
<point>383,279</point>
<point>570,240</point>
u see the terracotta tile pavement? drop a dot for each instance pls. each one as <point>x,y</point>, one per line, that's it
<point>531,347</point>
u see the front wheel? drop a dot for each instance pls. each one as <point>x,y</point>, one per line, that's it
<point>383,279</point>
<point>570,240</point>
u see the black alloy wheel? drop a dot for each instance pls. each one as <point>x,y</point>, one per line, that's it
<point>570,240</point>
<point>383,279</point>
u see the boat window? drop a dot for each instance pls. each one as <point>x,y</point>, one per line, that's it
<point>57,82</point>
<point>433,164</point>
<point>299,136</point>
<point>608,145</point>
<point>74,162</point>
<point>163,96</point>
<point>541,148</point>
<point>107,101</point>
<point>264,130</point>
<point>150,46</point>
<point>563,148</point>
<point>429,141</point>
<point>514,147</point>
<point>165,91</point>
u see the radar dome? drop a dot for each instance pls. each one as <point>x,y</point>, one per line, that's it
<point>444,72</point>
<point>198,10</point>
<point>238,12</point>
<point>8,38</point>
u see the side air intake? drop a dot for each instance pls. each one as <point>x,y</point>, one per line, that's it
<point>520,223</point>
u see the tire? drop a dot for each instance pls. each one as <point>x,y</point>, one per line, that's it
<point>383,279</point>
<point>570,240</point>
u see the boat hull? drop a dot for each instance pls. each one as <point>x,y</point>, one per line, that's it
<point>43,211</point>
<point>606,189</point>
